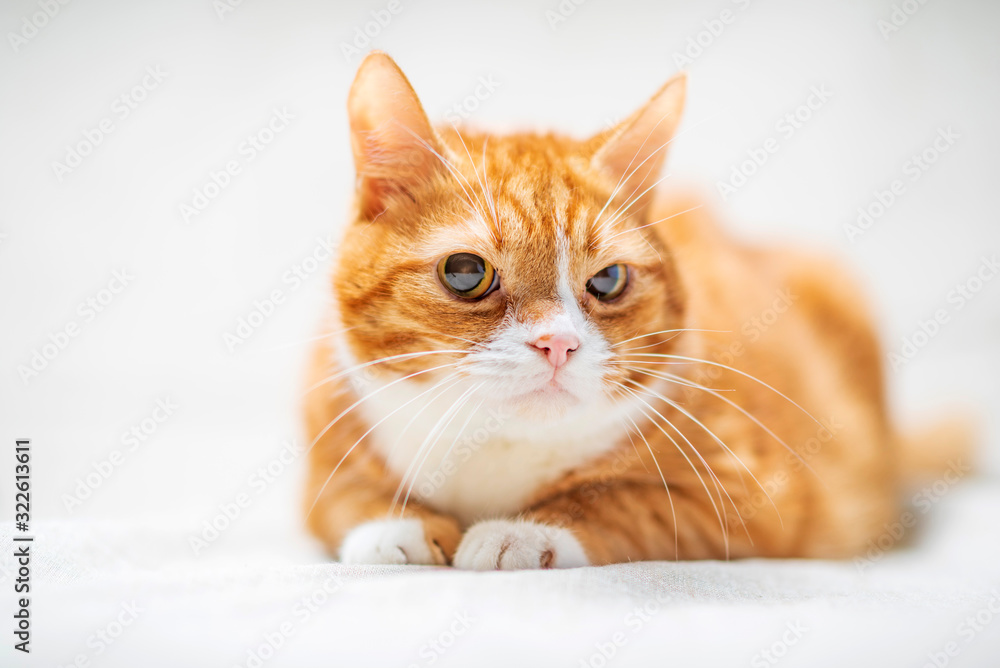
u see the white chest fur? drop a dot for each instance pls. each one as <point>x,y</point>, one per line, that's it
<point>460,456</point>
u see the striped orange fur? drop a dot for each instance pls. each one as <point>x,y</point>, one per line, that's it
<point>729,403</point>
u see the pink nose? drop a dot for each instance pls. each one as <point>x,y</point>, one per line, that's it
<point>557,347</point>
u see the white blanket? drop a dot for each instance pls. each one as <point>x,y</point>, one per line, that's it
<point>125,595</point>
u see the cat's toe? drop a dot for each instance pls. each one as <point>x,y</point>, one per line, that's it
<point>514,545</point>
<point>390,542</point>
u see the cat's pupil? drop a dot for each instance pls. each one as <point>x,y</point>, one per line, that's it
<point>604,281</point>
<point>608,282</point>
<point>464,271</point>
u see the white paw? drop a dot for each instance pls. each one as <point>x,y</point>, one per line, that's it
<point>507,545</point>
<point>389,542</point>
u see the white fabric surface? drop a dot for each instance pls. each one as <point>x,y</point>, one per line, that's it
<point>215,609</point>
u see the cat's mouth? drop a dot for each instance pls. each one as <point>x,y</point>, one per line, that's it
<point>547,396</point>
<point>554,388</point>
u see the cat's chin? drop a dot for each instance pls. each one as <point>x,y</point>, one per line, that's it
<point>547,403</point>
<point>540,411</point>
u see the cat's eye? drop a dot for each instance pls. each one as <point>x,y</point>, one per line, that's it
<point>609,282</point>
<point>467,276</point>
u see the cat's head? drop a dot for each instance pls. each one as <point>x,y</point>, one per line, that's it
<point>531,257</point>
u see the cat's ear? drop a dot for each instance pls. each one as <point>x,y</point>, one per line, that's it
<point>633,151</point>
<point>392,140</point>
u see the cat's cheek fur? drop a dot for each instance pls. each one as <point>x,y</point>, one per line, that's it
<point>390,542</point>
<point>516,545</point>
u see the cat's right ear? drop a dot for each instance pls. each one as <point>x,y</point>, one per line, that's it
<point>632,153</point>
<point>394,144</point>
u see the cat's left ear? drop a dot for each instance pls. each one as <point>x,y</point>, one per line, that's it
<point>632,152</point>
<point>393,142</point>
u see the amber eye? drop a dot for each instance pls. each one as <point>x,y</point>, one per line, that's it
<point>467,276</point>
<point>609,282</point>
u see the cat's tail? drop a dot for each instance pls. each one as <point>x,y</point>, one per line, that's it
<point>939,448</point>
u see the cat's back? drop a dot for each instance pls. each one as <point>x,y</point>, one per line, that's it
<point>798,320</point>
<point>728,278</point>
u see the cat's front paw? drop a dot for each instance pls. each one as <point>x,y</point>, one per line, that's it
<point>512,545</point>
<point>390,542</point>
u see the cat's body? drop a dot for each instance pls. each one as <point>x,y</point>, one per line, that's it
<point>726,402</point>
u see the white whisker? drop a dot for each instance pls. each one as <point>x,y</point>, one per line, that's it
<point>371,394</point>
<point>381,360</point>
<point>627,174</point>
<point>623,209</point>
<point>436,432</point>
<point>680,409</point>
<point>655,222</point>
<point>679,380</point>
<point>603,226</point>
<point>742,373</point>
<point>719,485</point>
<point>489,204</point>
<point>718,514</point>
<point>451,169</point>
<point>667,331</point>
<point>670,497</point>
<point>364,435</point>
<point>491,201</point>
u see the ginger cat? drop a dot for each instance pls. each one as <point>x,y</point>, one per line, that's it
<point>535,361</point>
